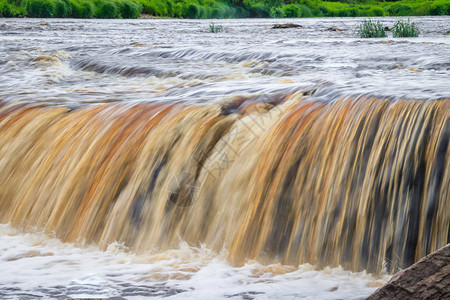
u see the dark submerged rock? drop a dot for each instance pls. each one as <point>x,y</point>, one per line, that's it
<point>332,28</point>
<point>284,26</point>
<point>429,278</point>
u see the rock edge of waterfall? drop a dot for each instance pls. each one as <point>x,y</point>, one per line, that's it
<point>429,278</point>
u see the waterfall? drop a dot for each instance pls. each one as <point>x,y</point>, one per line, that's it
<point>358,182</point>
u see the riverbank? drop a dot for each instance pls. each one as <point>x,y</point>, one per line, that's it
<point>212,9</point>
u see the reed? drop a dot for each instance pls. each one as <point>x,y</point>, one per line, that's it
<point>404,28</point>
<point>213,28</point>
<point>371,29</point>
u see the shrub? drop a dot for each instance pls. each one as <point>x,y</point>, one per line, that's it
<point>273,3</point>
<point>278,13</point>
<point>306,12</point>
<point>354,12</point>
<point>405,29</point>
<point>422,10</point>
<point>260,11</point>
<point>107,9</point>
<point>348,12</point>
<point>158,8</point>
<point>169,8</point>
<point>241,13</point>
<point>317,12</point>
<point>400,10</point>
<point>325,11</point>
<point>216,13</point>
<point>62,9</point>
<point>147,7</point>
<point>178,10</point>
<point>161,8</point>
<point>193,12</point>
<point>440,9</point>
<point>370,29</point>
<point>376,11</point>
<point>221,10</point>
<point>130,9</point>
<point>6,9</point>
<point>41,8</point>
<point>204,12</point>
<point>82,9</point>
<point>292,11</point>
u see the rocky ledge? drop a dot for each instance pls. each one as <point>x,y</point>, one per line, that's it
<point>285,26</point>
<point>429,278</point>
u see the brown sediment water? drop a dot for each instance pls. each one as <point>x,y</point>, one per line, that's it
<point>359,182</point>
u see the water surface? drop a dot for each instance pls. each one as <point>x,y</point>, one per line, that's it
<point>79,61</point>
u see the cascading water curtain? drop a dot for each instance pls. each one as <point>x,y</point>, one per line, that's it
<point>359,182</point>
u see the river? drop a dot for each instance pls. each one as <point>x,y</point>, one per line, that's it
<point>153,158</point>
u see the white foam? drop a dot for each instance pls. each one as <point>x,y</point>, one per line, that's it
<point>34,264</point>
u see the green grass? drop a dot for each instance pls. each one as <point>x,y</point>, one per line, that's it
<point>404,28</point>
<point>221,9</point>
<point>71,8</point>
<point>371,29</point>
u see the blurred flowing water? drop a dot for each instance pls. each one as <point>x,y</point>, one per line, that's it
<point>151,158</point>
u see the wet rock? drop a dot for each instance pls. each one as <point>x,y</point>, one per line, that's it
<point>147,16</point>
<point>429,278</point>
<point>332,28</point>
<point>287,25</point>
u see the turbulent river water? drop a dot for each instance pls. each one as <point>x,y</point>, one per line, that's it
<point>152,158</point>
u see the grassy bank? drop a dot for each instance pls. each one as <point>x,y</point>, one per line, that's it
<point>220,9</point>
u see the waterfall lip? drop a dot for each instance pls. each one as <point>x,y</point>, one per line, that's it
<point>92,65</point>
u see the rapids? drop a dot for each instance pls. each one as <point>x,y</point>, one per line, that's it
<point>298,159</point>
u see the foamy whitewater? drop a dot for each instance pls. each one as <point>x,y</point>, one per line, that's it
<point>33,266</point>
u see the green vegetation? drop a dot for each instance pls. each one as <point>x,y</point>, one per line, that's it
<point>401,28</point>
<point>371,29</point>
<point>71,8</point>
<point>213,28</point>
<point>405,29</point>
<point>221,9</point>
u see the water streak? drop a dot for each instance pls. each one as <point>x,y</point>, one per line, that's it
<point>359,182</point>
